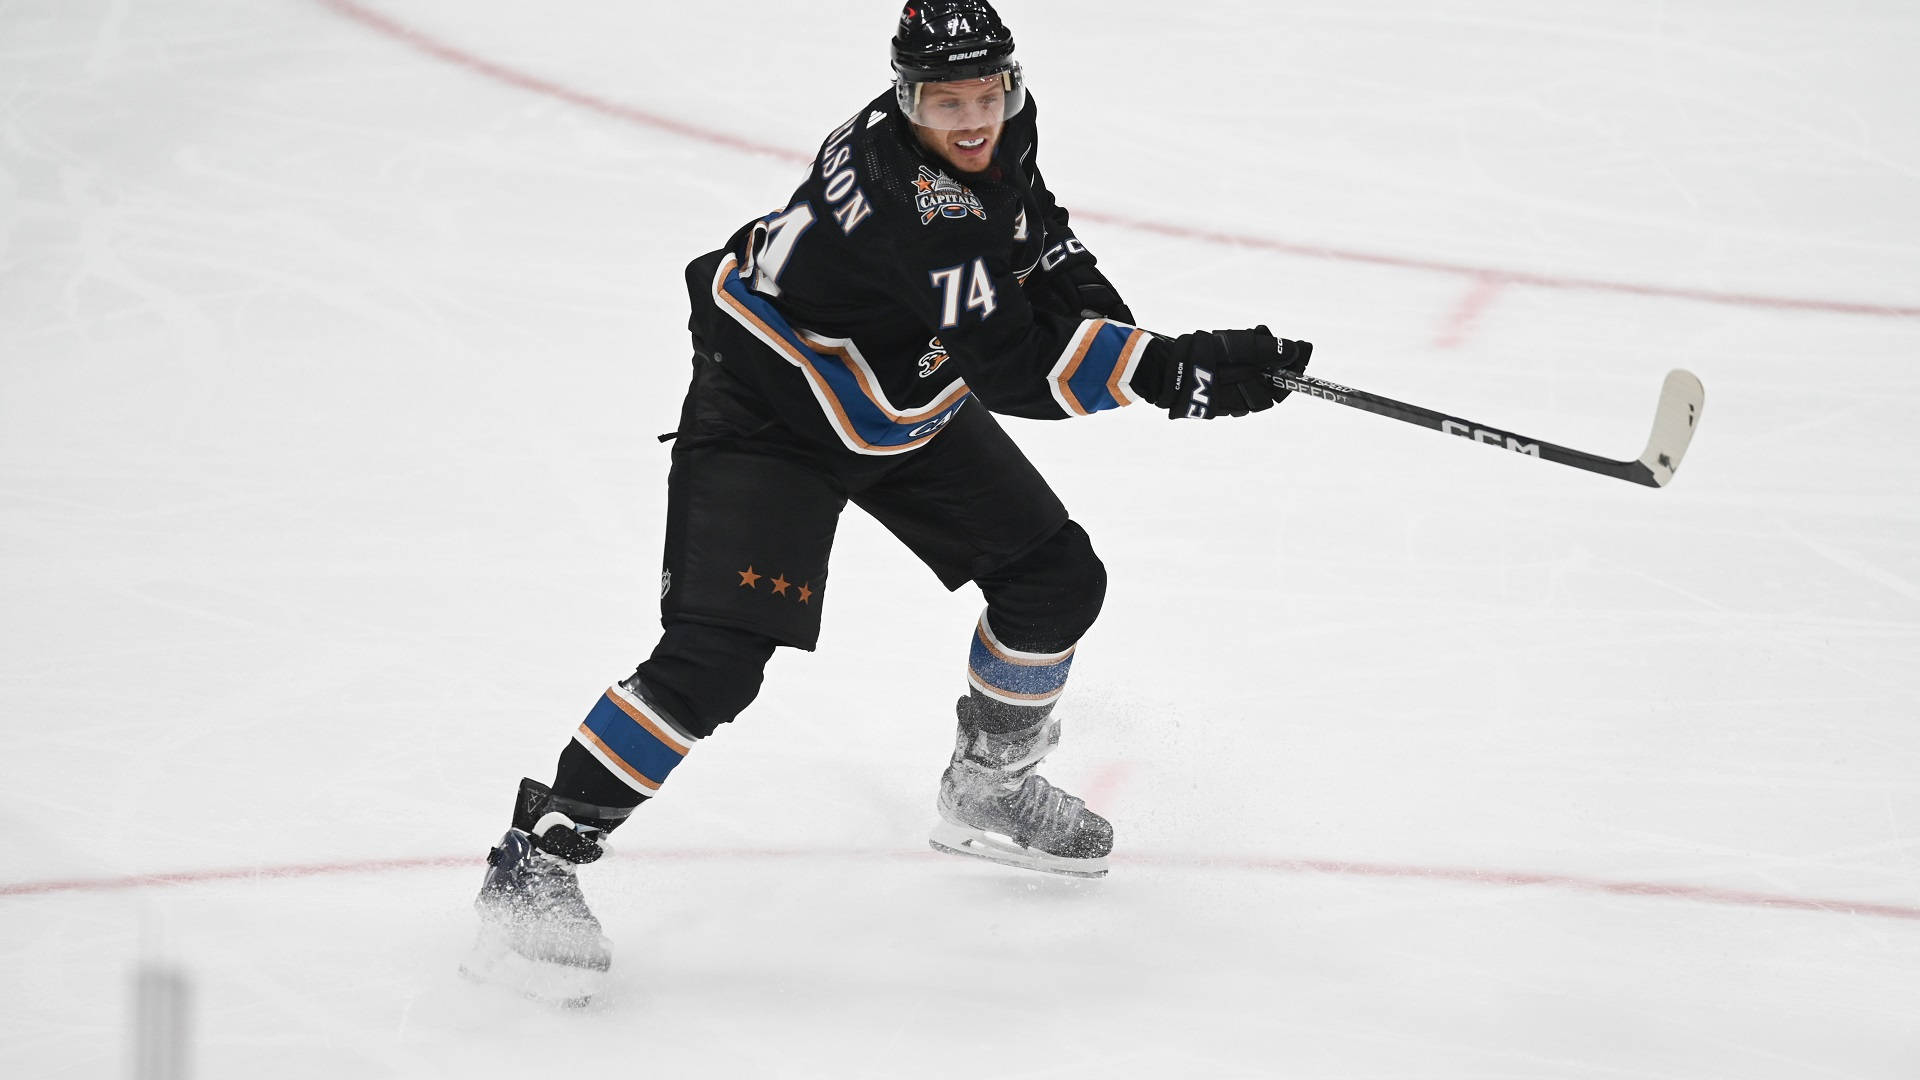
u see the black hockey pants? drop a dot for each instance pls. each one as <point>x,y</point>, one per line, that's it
<point>752,508</point>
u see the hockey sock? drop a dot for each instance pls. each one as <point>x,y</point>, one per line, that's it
<point>585,785</point>
<point>697,678</point>
<point>1012,689</point>
<point>622,752</point>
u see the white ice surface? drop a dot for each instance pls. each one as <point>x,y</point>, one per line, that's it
<point>329,501</point>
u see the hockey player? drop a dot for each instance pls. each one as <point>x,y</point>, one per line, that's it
<point>854,346</point>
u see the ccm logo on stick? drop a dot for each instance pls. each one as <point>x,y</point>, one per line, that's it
<point>1491,438</point>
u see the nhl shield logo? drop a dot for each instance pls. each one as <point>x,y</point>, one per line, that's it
<point>942,196</point>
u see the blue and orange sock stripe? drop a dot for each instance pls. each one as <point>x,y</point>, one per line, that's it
<point>633,739</point>
<point>1012,676</point>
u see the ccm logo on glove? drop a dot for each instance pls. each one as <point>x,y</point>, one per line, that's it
<point>1199,404</point>
<point>1211,373</point>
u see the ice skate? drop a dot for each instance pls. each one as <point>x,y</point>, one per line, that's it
<point>994,806</point>
<point>537,935</point>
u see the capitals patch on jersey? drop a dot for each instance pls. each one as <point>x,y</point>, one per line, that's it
<point>942,196</point>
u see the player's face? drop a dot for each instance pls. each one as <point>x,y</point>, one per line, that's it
<point>961,121</point>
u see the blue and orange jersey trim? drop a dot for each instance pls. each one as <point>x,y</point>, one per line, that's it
<point>633,740</point>
<point>1013,676</point>
<point>841,380</point>
<point>1096,367</point>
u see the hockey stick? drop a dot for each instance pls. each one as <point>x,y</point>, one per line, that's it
<point>1681,400</point>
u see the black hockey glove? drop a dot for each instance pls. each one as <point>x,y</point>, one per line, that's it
<point>1073,279</point>
<point>1209,373</point>
<point>1293,361</point>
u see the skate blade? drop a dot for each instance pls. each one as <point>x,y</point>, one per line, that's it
<point>567,986</point>
<point>993,847</point>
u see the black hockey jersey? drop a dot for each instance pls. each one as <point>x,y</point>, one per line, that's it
<point>889,291</point>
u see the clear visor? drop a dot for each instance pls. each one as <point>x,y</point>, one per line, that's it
<point>965,104</point>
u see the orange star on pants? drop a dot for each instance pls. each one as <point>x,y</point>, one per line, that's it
<point>806,594</point>
<point>748,577</point>
<point>780,585</point>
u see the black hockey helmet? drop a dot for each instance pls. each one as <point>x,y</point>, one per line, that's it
<point>953,41</point>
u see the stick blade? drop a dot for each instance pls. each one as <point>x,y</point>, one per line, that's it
<point>1682,399</point>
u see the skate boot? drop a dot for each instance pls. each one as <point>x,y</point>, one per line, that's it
<point>537,935</point>
<point>994,806</point>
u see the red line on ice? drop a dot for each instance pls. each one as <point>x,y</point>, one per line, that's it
<point>1475,303</point>
<point>248,873</point>
<point>499,72</point>
<point>1512,879</point>
<point>480,65</point>
<point>1257,864</point>
<point>1101,789</point>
